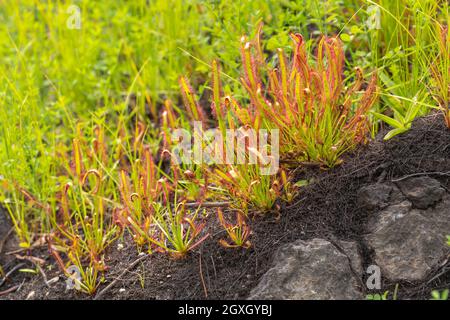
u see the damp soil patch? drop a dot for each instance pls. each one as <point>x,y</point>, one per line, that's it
<point>327,208</point>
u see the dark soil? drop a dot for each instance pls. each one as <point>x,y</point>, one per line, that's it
<point>326,208</point>
<point>7,241</point>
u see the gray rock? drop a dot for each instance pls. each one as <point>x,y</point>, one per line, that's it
<point>389,215</point>
<point>409,243</point>
<point>350,249</point>
<point>423,192</point>
<point>440,214</point>
<point>315,269</point>
<point>375,196</point>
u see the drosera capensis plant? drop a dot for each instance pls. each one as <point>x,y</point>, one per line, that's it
<point>178,229</point>
<point>190,178</point>
<point>82,226</point>
<point>81,211</point>
<point>156,218</point>
<point>247,188</point>
<point>76,166</point>
<point>246,183</point>
<point>85,278</point>
<point>238,232</point>
<point>318,117</point>
<point>138,197</point>
<point>42,105</point>
<point>171,229</point>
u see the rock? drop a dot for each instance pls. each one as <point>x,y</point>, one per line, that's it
<point>374,196</point>
<point>350,249</point>
<point>409,243</point>
<point>389,215</point>
<point>440,213</point>
<point>423,192</point>
<point>315,269</point>
<point>407,229</point>
<point>8,241</point>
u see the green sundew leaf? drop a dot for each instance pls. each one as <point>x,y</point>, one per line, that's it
<point>390,121</point>
<point>395,132</point>
<point>346,37</point>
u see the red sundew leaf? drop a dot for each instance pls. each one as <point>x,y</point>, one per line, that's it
<point>32,200</point>
<point>250,75</point>
<point>124,189</point>
<point>171,116</point>
<point>238,232</point>
<point>99,143</point>
<point>64,202</point>
<point>55,254</point>
<point>190,102</point>
<point>217,91</point>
